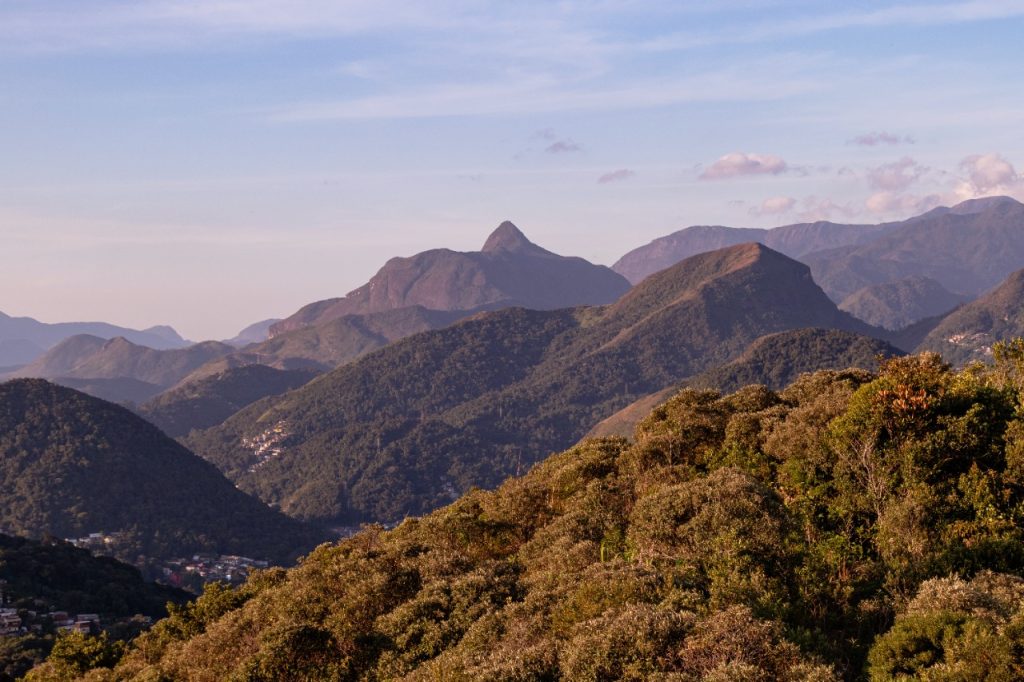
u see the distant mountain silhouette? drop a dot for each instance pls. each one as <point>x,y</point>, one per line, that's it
<point>968,333</point>
<point>254,333</point>
<point>792,240</point>
<point>967,248</point>
<point>94,362</point>
<point>895,305</point>
<point>427,291</point>
<point>403,429</point>
<point>71,464</point>
<point>510,270</point>
<point>23,339</point>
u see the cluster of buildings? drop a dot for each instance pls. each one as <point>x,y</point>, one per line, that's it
<point>267,445</point>
<point>204,568</point>
<point>14,622</point>
<point>99,543</point>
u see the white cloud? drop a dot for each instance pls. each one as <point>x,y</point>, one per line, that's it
<point>774,206</point>
<point>987,175</point>
<point>738,164</point>
<point>895,176</point>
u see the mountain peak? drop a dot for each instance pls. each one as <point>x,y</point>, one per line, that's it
<point>508,237</point>
<point>982,204</point>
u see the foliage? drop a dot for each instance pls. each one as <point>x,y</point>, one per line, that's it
<point>404,430</point>
<point>46,576</point>
<point>210,400</point>
<point>71,465</point>
<point>850,525</point>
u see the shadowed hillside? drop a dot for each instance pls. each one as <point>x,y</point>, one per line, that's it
<point>407,428</point>
<point>71,464</point>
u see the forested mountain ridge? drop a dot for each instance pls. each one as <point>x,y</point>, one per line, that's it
<point>852,526</point>
<point>774,361</point>
<point>969,333</point>
<point>968,248</point>
<point>405,428</point>
<point>71,464</point>
<point>896,305</point>
<point>208,401</point>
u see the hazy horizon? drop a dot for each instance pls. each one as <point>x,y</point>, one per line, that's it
<point>210,164</point>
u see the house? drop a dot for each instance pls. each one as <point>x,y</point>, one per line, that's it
<point>10,622</point>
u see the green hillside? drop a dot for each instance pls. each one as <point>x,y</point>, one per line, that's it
<point>851,526</point>
<point>970,332</point>
<point>774,361</point>
<point>48,576</point>
<point>71,464</point>
<point>409,427</point>
<point>209,400</point>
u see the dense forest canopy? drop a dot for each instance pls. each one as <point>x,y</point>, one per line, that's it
<point>850,526</point>
<point>71,465</point>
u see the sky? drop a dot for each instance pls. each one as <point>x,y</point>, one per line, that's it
<point>207,164</point>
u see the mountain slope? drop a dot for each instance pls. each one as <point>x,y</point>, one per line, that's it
<point>54,576</point>
<point>209,400</point>
<point>968,248</point>
<point>254,333</point>
<point>334,342</point>
<point>968,333</point>
<point>510,270</point>
<point>791,240</point>
<point>403,429</point>
<point>119,360</point>
<point>71,464</point>
<point>898,304</point>
<point>754,536</point>
<point>774,361</point>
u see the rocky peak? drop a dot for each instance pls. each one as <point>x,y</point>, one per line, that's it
<point>508,237</point>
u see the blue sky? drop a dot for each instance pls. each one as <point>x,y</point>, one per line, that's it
<point>209,164</point>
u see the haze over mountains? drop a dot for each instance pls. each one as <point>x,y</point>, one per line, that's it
<point>23,339</point>
<point>509,270</point>
<point>119,368</point>
<point>407,427</point>
<point>965,249</point>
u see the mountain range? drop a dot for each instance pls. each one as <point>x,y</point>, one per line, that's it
<point>118,369</point>
<point>404,429</point>
<point>23,339</point>
<point>894,273</point>
<point>509,270</point>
